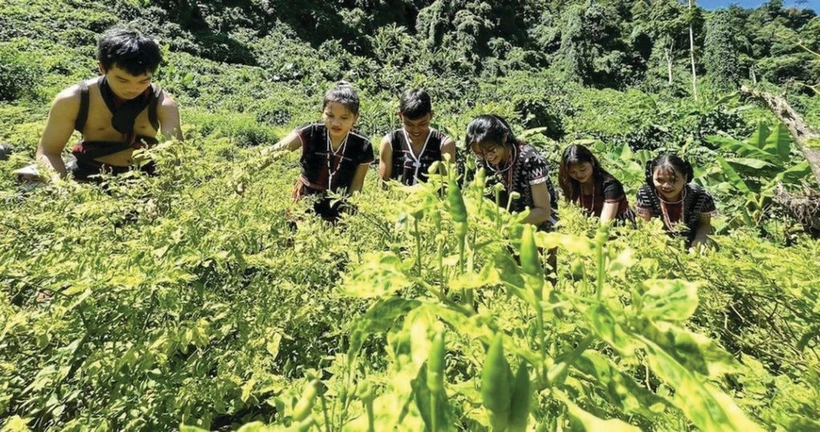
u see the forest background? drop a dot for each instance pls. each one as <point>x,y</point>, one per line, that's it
<point>166,301</point>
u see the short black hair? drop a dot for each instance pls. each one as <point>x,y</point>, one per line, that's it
<point>415,103</point>
<point>129,50</point>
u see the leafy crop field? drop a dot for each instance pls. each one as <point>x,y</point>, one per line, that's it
<point>170,302</point>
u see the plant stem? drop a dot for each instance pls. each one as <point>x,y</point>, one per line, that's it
<point>418,245</point>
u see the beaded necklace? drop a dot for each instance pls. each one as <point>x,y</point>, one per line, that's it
<point>507,179</point>
<point>665,212</point>
<point>580,198</point>
<point>416,159</point>
<point>332,155</point>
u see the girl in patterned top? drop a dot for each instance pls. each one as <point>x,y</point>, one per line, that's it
<point>516,165</point>
<point>407,153</point>
<point>585,183</point>
<point>334,156</point>
<point>669,195</point>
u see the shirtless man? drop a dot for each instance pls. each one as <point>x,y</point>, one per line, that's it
<point>116,113</point>
<point>407,153</point>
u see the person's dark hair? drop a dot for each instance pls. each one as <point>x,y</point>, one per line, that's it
<point>129,50</point>
<point>344,94</point>
<point>415,104</point>
<point>670,163</point>
<point>577,154</point>
<point>490,129</point>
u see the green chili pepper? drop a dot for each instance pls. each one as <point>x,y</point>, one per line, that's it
<point>436,217</point>
<point>457,208</point>
<point>434,167</point>
<point>495,384</point>
<point>520,402</point>
<point>305,404</point>
<point>530,260</point>
<point>435,364</point>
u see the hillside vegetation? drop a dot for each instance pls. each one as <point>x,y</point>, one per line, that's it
<point>167,302</point>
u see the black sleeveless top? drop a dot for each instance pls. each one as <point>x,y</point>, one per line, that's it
<point>408,167</point>
<point>89,150</point>
<point>323,169</point>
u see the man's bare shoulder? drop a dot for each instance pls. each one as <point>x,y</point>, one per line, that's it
<point>166,101</point>
<point>67,102</point>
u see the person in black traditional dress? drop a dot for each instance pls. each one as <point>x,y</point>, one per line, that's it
<point>670,195</point>
<point>516,165</point>
<point>334,157</point>
<point>585,183</point>
<point>407,153</point>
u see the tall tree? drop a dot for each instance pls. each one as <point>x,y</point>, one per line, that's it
<point>691,19</point>
<point>720,55</point>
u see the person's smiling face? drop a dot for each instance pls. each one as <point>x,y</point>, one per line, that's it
<point>669,182</point>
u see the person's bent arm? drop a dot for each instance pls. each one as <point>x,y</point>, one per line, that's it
<point>168,116</point>
<point>609,211</point>
<point>290,143</point>
<point>385,159</point>
<point>704,229</point>
<point>644,214</point>
<point>358,178</point>
<point>448,147</point>
<point>541,211</point>
<point>58,130</point>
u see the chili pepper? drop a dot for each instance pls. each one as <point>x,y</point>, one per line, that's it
<point>457,208</point>
<point>305,404</point>
<point>520,402</point>
<point>436,217</point>
<point>495,384</point>
<point>435,364</point>
<point>530,260</point>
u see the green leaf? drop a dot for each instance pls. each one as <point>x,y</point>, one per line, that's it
<point>754,164</point>
<point>794,174</point>
<point>433,406</point>
<point>591,423</point>
<point>669,300</point>
<point>381,274</point>
<point>621,388</point>
<point>694,351</point>
<point>758,139</point>
<point>604,325</point>
<point>705,406</point>
<point>732,175</point>
<point>779,143</point>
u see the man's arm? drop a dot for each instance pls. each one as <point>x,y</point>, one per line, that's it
<point>59,128</point>
<point>448,147</point>
<point>168,116</point>
<point>385,159</point>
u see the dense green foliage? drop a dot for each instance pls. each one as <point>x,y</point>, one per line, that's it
<point>156,302</point>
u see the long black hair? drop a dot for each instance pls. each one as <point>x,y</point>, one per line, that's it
<point>577,154</point>
<point>673,164</point>
<point>489,128</point>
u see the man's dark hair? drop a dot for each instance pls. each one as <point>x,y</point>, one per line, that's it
<point>129,50</point>
<point>415,103</point>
